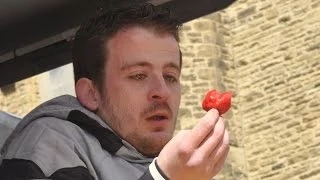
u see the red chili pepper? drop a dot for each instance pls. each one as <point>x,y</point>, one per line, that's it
<point>218,101</point>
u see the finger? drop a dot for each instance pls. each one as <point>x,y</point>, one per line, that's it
<point>222,149</point>
<point>213,140</point>
<point>172,148</point>
<point>179,137</point>
<point>219,165</point>
<point>203,128</point>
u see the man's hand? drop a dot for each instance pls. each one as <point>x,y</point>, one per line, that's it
<point>198,153</point>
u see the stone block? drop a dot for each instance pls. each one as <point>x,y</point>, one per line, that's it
<point>271,14</point>
<point>247,12</point>
<point>206,74</point>
<point>208,51</point>
<point>203,25</point>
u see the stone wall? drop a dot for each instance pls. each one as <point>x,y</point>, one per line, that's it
<point>202,49</point>
<point>20,97</point>
<point>207,57</point>
<point>273,67</point>
<point>276,54</point>
<point>267,53</point>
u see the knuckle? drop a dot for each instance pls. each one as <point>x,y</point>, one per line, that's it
<point>196,163</point>
<point>184,151</point>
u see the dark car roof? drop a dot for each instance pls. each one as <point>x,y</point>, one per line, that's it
<point>35,36</point>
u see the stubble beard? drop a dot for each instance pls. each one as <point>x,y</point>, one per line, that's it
<point>149,144</point>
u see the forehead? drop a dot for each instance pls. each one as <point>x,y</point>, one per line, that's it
<point>142,44</point>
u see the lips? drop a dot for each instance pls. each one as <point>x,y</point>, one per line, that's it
<point>158,116</point>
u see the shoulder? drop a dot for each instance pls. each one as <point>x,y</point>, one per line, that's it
<point>42,132</point>
<point>46,143</point>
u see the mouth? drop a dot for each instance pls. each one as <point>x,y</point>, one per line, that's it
<point>159,121</point>
<point>157,117</point>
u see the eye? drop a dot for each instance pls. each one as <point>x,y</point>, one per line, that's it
<point>138,77</point>
<point>170,78</point>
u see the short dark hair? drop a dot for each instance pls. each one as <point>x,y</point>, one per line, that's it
<point>88,52</point>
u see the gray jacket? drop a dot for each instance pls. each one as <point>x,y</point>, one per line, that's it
<point>7,124</point>
<point>60,139</point>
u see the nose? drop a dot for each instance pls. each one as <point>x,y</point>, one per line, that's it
<point>159,90</point>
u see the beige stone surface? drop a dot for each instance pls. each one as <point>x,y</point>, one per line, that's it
<point>268,54</point>
<point>19,98</point>
<point>276,57</point>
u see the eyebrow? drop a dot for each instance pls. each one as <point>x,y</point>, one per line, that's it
<point>147,64</point>
<point>173,65</point>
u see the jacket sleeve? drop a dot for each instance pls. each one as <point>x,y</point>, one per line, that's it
<point>41,152</point>
<point>20,169</point>
<point>154,172</point>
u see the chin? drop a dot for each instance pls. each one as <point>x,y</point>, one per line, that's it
<point>161,137</point>
<point>153,151</point>
<point>153,143</point>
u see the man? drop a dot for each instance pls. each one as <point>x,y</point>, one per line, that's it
<point>127,65</point>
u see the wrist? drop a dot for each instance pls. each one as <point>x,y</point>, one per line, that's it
<point>156,171</point>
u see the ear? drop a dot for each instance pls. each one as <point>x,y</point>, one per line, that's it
<point>87,94</point>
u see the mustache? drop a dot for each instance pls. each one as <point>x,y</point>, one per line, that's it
<point>156,106</point>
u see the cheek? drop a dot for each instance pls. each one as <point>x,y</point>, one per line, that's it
<point>176,97</point>
<point>125,99</point>
<point>177,101</point>
<point>177,92</point>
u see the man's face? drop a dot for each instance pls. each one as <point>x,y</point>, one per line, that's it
<point>141,91</point>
